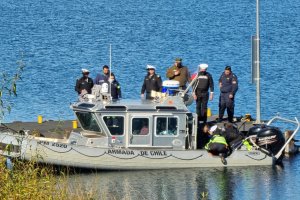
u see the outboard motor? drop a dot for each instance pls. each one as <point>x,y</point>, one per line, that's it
<point>255,129</point>
<point>271,139</point>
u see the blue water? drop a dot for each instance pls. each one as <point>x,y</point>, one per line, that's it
<point>251,183</point>
<point>59,37</point>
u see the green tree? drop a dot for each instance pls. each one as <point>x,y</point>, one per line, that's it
<point>8,88</point>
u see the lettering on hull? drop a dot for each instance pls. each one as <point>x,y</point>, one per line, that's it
<point>53,144</point>
<point>120,152</point>
<point>61,148</point>
<point>137,153</point>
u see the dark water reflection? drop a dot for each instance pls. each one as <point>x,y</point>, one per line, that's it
<point>270,182</point>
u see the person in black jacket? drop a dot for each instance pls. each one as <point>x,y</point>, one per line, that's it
<point>152,81</point>
<point>115,87</point>
<point>228,84</point>
<point>84,84</point>
<point>203,84</point>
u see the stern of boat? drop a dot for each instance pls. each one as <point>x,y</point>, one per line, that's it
<point>10,144</point>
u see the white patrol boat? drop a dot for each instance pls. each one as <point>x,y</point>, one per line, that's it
<point>143,134</point>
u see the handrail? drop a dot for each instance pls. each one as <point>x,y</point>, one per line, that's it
<point>189,86</point>
<point>283,119</point>
<point>291,137</point>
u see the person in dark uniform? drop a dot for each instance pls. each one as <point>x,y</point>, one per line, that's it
<point>152,81</point>
<point>84,84</point>
<point>115,87</point>
<point>103,77</point>
<point>202,135</point>
<point>203,84</point>
<point>228,84</point>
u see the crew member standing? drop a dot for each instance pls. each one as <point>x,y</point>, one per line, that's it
<point>228,84</point>
<point>115,87</point>
<point>152,81</point>
<point>102,78</point>
<point>84,84</point>
<point>180,73</point>
<point>203,84</point>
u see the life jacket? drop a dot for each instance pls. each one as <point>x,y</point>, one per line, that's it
<point>216,139</point>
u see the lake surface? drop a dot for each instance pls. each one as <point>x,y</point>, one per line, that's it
<point>217,183</point>
<point>57,38</point>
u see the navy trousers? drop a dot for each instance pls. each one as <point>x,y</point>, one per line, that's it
<point>226,103</point>
<point>201,106</point>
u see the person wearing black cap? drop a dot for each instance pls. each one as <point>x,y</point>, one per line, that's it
<point>85,83</point>
<point>152,81</point>
<point>228,83</point>
<point>102,78</point>
<point>180,73</point>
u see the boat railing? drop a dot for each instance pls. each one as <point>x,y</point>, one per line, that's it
<point>296,122</point>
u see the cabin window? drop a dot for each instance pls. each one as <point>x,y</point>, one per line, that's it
<point>88,121</point>
<point>166,126</point>
<point>115,124</point>
<point>140,126</point>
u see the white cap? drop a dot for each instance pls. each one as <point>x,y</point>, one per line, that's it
<point>85,71</point>
<point>203,66</point>
<point>150,67</point>
<point>213,128</point>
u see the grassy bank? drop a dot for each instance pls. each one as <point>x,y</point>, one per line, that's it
<point>28,180</point>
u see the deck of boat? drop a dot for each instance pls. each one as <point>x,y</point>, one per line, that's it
<point>62,128</point>
<point>50,128</point>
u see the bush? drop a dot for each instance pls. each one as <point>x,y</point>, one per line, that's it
<point>30,180</point>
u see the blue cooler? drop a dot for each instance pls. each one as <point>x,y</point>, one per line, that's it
<point>170,87</point>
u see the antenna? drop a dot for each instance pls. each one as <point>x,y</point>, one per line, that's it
<point>256,63</point>
<point>110,70</point>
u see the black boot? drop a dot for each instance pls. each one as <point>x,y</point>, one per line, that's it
<point>223,159</point>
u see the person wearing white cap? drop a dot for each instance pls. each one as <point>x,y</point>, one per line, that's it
<point>85,83</point>
<point>204,83</point>
<point>152,81</point>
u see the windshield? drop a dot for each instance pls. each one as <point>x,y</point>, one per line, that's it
<point>88,121</point>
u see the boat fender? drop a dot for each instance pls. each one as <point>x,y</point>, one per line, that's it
<point>9,163</point>
<point>104,88</point>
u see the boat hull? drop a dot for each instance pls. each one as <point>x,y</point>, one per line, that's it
<point>60,152</point>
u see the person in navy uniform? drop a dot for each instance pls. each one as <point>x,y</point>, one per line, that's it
<point>203,84</point>
<point>152,81</point>
<point>228,84</point>
<point>84,84</point>
<point>115,87</point>
<point>102,78</point>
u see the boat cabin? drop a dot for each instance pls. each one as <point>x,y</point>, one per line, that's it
<point>165,123</point>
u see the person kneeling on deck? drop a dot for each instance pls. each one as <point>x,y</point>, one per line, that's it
<point>234,138</point>
<point>217,144</point>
